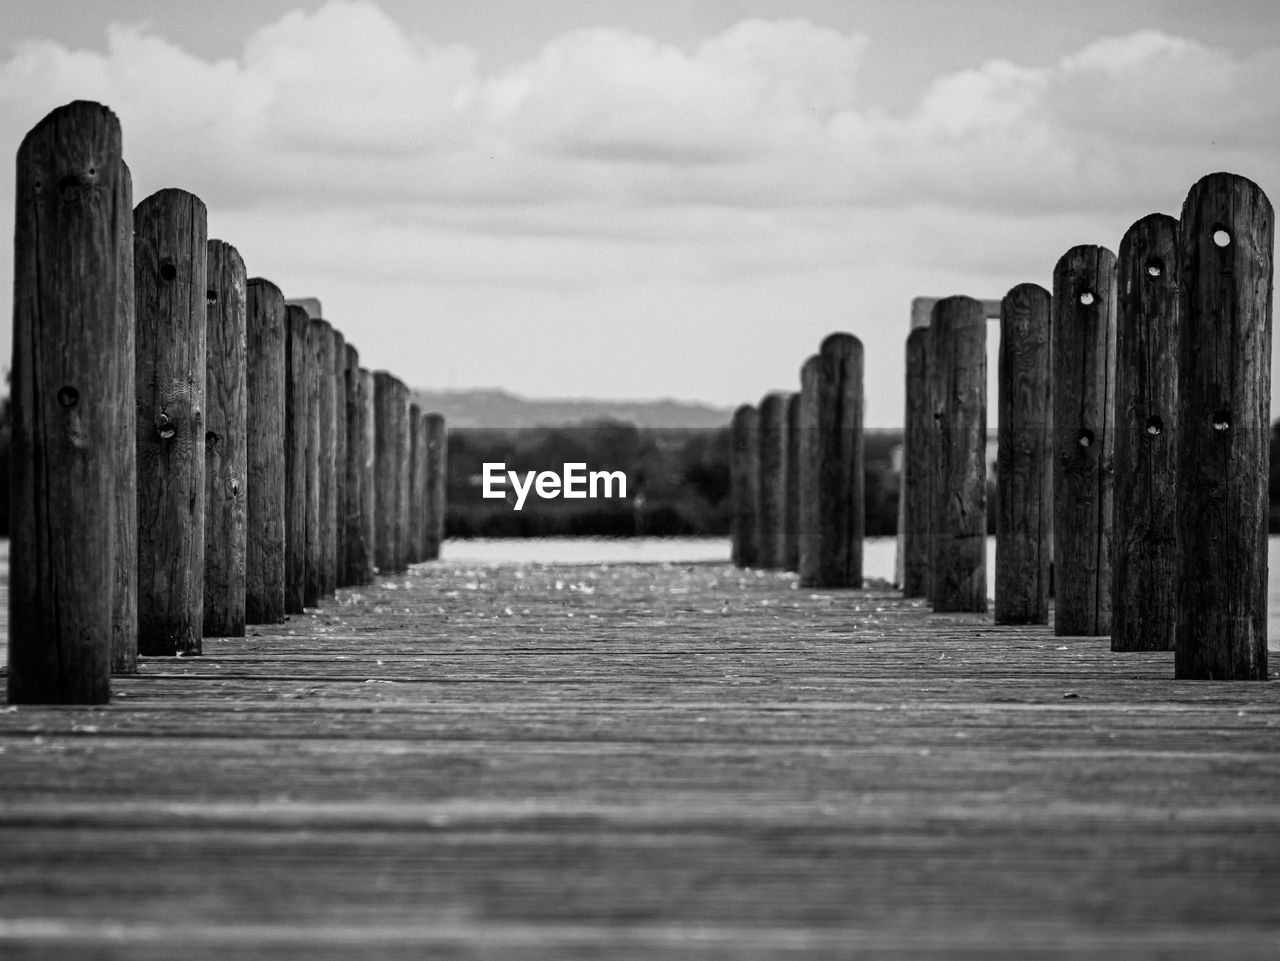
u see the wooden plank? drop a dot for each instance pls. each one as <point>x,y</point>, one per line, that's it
<point>225,443</point>
<point>266,582</point>
<point>72,340</point>
<point>170,289</point>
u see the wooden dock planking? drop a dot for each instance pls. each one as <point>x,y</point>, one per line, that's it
<point>644,762</point>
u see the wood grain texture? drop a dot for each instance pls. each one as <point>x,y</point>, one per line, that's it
<point>314,587</point>
<point>1024,458</point>
<point>170,288</point>
<point>389,416</point>
<point>355,542</point>
<point>832,463</point>
<point>326,495</point>
<point>124,616</point>
<point>404,519</point>
<point>266,582</point>
<point>744,486</point>
<point>958,528</point>
<point>1144,554</point>
<point>367,451</point>
<point>773,481</point>
<point>68,391</point>
<point>437,482</point>
<point>916,505</point>
<point>1084,360</point>
<point>417,485</point>
<point>1224,382</point>
<point>791,522</point>
<point>297,427</point>
<point>645,762</point>
<point>225,443</point>
<point>340,459</point>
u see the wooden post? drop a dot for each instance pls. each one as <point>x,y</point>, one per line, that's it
<point>744,479</point>
<point>958,529</point>
<point>437,489</point>
<point>914,493</point>
<point>265,585</point>
<point>340,459</point>
<point>225,442</point>
<point>314,587</point>
<point>1084,361</point>
<point>71,413</point>
<point>831,474</point>
<point>367,451</point>
<point>1224,382</point>
<point>417,485</point>
<point>1144,560</point>
<point>404,527</point>
<point>389,418</point>
<point>773,480</point>
<point>124,618</point>
<point>296,433</point>
<point>791,524</point>
<point>355,545</point>
<point>171,283</point>
<point>322,357</point>
<point>1024,462</point>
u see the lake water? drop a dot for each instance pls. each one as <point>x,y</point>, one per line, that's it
<point>878,558</point>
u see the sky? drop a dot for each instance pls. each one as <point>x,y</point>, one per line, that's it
<point>669,198</point>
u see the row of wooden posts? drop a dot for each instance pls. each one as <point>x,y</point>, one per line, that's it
<point>191,452</point>
<point>1133,443</point>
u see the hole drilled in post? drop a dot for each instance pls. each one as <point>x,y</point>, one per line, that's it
<point>1087,297</point>
<point>1222,420</point>
<point>68,396</point>
<point>1221,236</point>
<point>1155,267</point>
<point>211,296</point>
<point>168,272</point>
<point>1155,426</point>
<point>1085,437</point>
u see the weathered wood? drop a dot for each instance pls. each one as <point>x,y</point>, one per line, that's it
<point>124,617</point>
<point>317,333</point>
<point>296,433</point>
<point>914,500</point>
<point>326,397</point>
<point>265,586</point>
<point>225,443</point>
<point>311,305</point>
<point>1083,330</point>
<point>744,484</point>
<point>367,452</point>
<point>831,473</point>
<point>72,246</point>
<point>404,521</point>
<point>340,459</point>
<point>791,523</point>
<point>1144,556</point>
<point>417,485</point>
<point>170,289</point>
<point>389,416</point>
<point>355,546</point>
<point>437,486</point>
<point>1024,458</point>
<point>958,527</point>
<point>773,480</point>
<point>1224,383</point>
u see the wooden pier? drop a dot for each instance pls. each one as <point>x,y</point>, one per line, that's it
<point>643,762</point>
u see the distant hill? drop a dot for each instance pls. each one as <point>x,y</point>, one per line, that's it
<point>497,408</point>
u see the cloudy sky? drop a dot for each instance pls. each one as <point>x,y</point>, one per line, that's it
<point>668,198</point>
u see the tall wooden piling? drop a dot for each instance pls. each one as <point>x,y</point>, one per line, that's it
<point>744,483</point>
<point>367,452</point>
<point>404,524</point>
<point>1024,459</point>
<point>958,528</point>
<point>773,480</point>
<point>389,417</point>
<point>914,491</point>
<point>322,356</point>
<point>317,332</point>
<point>833,508</point>
<point>225,443</point>
<point>340,459</point>
<point>1224,382</point>
<point>791,523</point>
<point>356,545</point>
<point>437,476</point>
<point>296,433</point>
<point>72,248</point>
<point>417,485</point>
<point>170,288</point>
<point>124,616</point>
<point>1144,594</point>
<point>266,580</point>
<point>1083,333</point>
